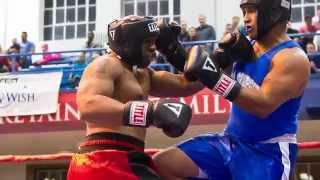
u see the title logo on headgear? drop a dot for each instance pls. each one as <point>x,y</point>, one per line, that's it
<point>153,27</point>
<point>285,4</point>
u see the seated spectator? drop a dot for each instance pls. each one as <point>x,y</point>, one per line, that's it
<point>291,30</point>
<point>4,62</point>
<point>316,20</point>
<point>235,23</point>
<point>307,28</point>
<point>228,29</point>
<point>46,58</point>
<point>192,36</point>
<point>3,67</point>
<point>314,57</point>
<point>14,49</point>
<point>184,32</point>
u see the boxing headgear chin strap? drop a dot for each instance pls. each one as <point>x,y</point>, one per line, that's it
<point>270,13</point>
<point>126,37</point>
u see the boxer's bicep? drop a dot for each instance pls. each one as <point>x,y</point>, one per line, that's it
<point>287,77</point>
<point>94,97</point>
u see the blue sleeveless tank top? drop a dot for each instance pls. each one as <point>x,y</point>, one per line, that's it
<point>283,120</point>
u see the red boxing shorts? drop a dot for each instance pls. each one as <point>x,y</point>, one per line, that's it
<point>111,156</point>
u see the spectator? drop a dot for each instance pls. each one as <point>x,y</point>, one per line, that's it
<point>184,32</point>
<point>235,23</point>
<point>307,28</point>
<point>15,47</point>
<point>192,36</point>
<point>316,20</point>
<point>90,43</point>
<point>313,57</point>
<point>291,31</point>
<point>26,47</point>
<point>205,32</point>
<point>46,58</point>
<point>228,29</point>
<point>4,62</point>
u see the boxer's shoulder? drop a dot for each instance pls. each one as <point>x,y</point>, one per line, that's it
<point>106,65</point>
<point>288,57</point>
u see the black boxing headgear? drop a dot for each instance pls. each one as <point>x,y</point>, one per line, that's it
<point>126,37</point>
<point>270,13</point>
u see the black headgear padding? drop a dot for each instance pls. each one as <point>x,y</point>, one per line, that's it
<point>270,13</point>
<point>126,37</point>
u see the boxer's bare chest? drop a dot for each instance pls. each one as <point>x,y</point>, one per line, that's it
<point>133,85</point>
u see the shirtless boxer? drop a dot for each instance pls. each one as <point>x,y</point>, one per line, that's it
<point>259,141</point>
<point>113,101</point>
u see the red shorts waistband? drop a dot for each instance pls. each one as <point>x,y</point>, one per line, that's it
<point>112,141</point>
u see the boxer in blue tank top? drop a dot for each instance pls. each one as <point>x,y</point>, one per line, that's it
<point>267,81</point>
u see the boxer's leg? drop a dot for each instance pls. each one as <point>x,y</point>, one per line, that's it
<point>180,164</point>
<point>204,156</point>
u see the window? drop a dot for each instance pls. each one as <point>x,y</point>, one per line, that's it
<point>168,9</point>
<point>56,174</point>
<point>302,8</point>
<point>307,167</point>
<point>49,172</point>
<point>68,19</point>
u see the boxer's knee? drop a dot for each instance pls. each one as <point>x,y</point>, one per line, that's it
<point>172,163</point>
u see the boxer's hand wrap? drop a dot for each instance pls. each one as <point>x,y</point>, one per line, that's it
<point>167,44</point>
<point>233,47</point>
<point>209,72</point>
<point>172,117</point>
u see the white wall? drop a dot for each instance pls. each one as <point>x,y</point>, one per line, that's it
<point>218,12</point>
<point>2,23</point>
<point>190,10</point>
<point>21,16</point>
<point>28,16</point>
<point>106,11</point>
<point>226,9</point>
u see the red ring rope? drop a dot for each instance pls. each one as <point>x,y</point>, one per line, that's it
<point>67,156</point>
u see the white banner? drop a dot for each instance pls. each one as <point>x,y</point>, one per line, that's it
<point>29,94</point>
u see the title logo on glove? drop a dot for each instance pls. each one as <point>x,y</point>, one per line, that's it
<point>224,85</point>
<point>138,115</point>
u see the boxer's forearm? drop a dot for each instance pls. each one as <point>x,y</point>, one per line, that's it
<point>255,102</point>
<point>165,84</point>
<point>100,108</point>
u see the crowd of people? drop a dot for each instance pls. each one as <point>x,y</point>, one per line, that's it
<point>202,32</point>
<point>16,61</point>
<point>310,44</point>
<point>21,55</point>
